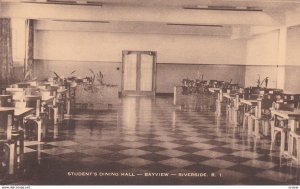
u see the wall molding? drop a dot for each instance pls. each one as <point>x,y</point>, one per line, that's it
<point>172,63</point>
<point>52,60</point>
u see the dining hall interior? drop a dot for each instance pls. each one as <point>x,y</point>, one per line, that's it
<point>136,92</point>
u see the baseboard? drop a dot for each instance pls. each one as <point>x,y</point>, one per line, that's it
<point>156,94</point>
<point>165,94</point>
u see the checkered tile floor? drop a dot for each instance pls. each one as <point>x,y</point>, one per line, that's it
<point>146,135</point>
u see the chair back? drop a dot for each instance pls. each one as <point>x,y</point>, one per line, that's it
<point>290,97</point>
<point>33,101</point>
<point>22,85</point>
<point>48,92</point>
<point>32,91</point>
<point>33,83</point>
<point>6,123</point>
<point>266,103</point>
<point>44,86</point>
<point>17,93</point>
<point>5,100</point>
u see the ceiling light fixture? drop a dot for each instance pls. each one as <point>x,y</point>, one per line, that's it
<point>86,21</point>
<point>66,2</point>
<point>195,25</point>
<point>223,8</point>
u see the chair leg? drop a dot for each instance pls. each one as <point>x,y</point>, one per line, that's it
<point>272,129</point>
<point>55,116</point>
<point>39,130</point>
<point>282,142</point>
<point>68,107</point>
<point>19,139</point>
<point>256,129</point>
<point>245,120</point>
<point>21,146</point>
<point>250,126</point>
<point>11,164</point>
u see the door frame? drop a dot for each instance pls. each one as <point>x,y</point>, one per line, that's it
<point>138,74</point>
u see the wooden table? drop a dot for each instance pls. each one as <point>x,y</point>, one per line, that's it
<point>19,114</point>
<point>293,124</point>
<point>286,114</point>
<point>232,108</point>
<point>247,117</point>
<point>248,102</point>
<point>214,89</point>
<point>48,99</point>
<point>45,99</point>
<point>218,100</point>
<point>228,96</point>
<point>62,91</point>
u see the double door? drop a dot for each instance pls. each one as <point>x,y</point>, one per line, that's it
<point>138,73</point>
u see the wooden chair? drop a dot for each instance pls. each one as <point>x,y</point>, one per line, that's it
<point>248,111</point>
<point>33,123</point>
<point>57,106</point>
<point>262,123</point>
<point>279,128</point>
<point>11,142</point>
<point>294,146</point>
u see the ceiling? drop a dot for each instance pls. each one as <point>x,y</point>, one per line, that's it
<point>269,4</point>
<point>145,15</point>
<point>274,4</point>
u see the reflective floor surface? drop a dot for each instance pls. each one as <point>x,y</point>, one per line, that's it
<point>149,141</point>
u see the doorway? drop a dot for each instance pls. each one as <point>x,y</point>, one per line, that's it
<point>138,73</point>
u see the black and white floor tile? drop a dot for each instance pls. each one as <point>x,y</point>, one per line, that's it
<point>144,136</point>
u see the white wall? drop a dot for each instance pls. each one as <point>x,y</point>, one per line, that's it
<point>98,46</point>
<point>64,51</point>
<point>293,46</point>
<point>18,41</point>
<point>262,58</point>
<point>293,60</point>
<point>262,49</point>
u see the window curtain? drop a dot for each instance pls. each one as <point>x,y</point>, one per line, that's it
<point>28,67</point>
<point>6,61</point>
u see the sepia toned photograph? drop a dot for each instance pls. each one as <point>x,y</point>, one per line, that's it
<point>149,92</point>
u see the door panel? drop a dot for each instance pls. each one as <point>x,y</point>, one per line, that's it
<point>130,72</point>
<point>139,71</point>
<point>146,72</point>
